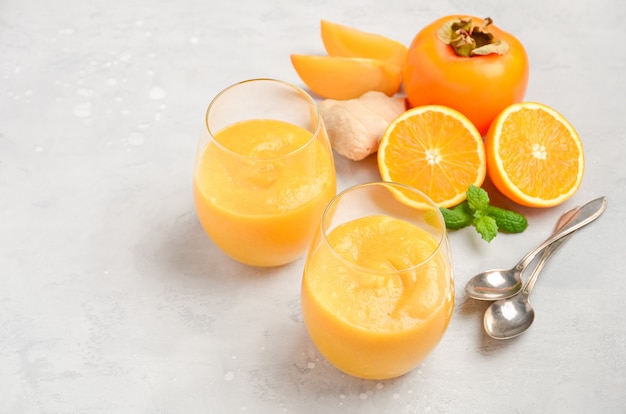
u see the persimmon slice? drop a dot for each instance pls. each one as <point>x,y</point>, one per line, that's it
<point>345,41</point>
<point>346,77</point>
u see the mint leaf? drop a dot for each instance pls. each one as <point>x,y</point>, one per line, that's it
<point>477,198</point>
<point>507,221</point>
<point>487,219</point>
<point>486,226</point>
<point>458,217</point>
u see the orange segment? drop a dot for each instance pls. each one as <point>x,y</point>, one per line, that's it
<point>436,150</point>
<point>534,155</point>
<point>346,41</point>
<point>345,77</point>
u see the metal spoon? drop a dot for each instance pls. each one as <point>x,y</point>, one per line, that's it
<point>508,318</point>
<point>500,284</point>
<point>512,284</point>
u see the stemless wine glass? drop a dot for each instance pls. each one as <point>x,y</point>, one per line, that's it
<point>264,172</point>
<point>377,290</point>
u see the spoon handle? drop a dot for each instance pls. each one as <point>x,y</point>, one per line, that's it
<point>547,254</point>
<point>585,215</point>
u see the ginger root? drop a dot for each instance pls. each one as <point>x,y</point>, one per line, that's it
<point>355,126</point>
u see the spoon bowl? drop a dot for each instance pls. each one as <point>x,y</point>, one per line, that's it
<point>508,318</point>
<point>495,284</point>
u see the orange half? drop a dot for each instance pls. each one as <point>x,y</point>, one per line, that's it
<point>436,150</point>
<point>534,155</point>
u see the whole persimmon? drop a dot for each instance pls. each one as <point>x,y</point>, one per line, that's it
<point>468,64</point>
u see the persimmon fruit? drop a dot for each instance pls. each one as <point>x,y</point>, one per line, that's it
<point>468,64</point>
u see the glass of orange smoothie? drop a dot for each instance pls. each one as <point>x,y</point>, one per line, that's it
<point>263,172</point>
<point>377,290</point>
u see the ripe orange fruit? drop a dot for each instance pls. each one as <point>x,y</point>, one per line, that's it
<point>436,150</point>
<point>479,86</point>
<point>534,155</point>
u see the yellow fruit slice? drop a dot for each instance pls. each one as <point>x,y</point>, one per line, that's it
<point>340,40</point>
<point>534,155</point>
<point>436,150</point>
<point>345,77</point>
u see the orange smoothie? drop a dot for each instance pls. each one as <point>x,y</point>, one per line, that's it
<point>260,189</point>
<point>369,310</point>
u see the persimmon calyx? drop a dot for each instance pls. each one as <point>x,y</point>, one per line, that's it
<point>467,40</point>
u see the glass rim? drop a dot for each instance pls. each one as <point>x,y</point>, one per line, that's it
<point>390,185</point>
<point>314,134</point>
